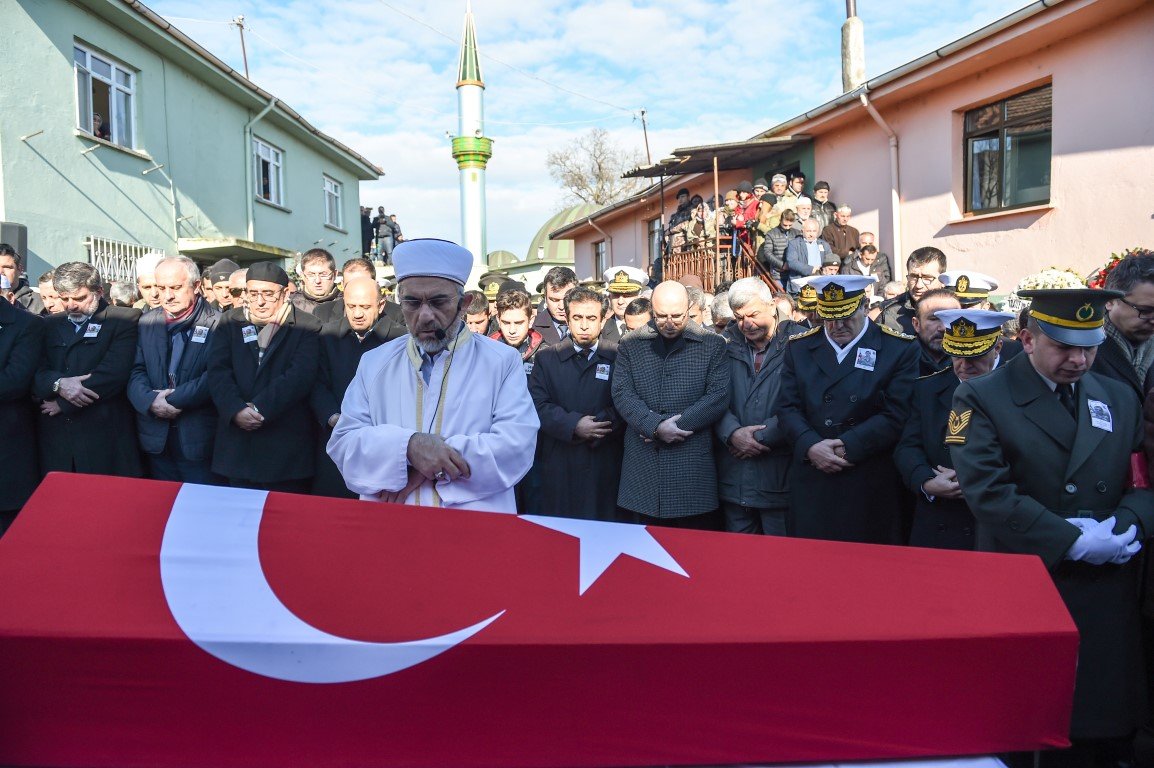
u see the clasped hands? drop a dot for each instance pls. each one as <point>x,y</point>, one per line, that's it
<point>1098,544</point>
<point>430,458</point>
<point>828,456</point>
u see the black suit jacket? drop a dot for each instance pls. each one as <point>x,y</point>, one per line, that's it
<point>940,523</point>
<point>565,386</point>
<point>341,353</point>
<point>21,342</point>
<point>99,438</point>
<point>543,324</point>
<point>195,427</point>
<point>280,386</point>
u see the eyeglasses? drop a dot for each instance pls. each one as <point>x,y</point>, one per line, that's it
<point>236,292</point>
<point>266,295</point>
<point>916,279</point>
<point>436,303</point>
<point>670,318</point>
<point>1144,313</point>
<point>318,275</point>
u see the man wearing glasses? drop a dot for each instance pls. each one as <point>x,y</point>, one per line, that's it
<point>320,296</point>
<point>261,371</point>
<point>1129,349</point>
<point>442,416</point>
<point>922,270</point>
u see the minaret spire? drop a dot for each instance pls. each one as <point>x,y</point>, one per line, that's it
<point>471,149</point>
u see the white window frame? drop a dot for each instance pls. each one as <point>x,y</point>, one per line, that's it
<point>82,62</point>
<point>600,258</point>
<point>274,156</point>
<point>333,196</point>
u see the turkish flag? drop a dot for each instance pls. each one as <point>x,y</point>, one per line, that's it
<point>151,624</point>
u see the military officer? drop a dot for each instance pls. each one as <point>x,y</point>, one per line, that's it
<point>972,288</point>
<point>845,394</point>
<point>624,284</point>
<point>1042,448</point>
<point>806,313</point>
<point>973,340</point>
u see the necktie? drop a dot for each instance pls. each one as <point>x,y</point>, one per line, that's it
<point>1066,398</point>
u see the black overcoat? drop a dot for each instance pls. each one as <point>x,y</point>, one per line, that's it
<point>577,478</point>
<point>21,341</point>
<point>941,523</point>
<point>1025,467</point>
<point>99,438</point>
<point>195,427</point>
<point>340,354</point>
<point>821,399</point>
<point>280,386</point>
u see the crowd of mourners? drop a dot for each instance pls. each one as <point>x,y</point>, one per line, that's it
<point>928,418</point>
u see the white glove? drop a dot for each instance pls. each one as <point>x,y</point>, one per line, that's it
<point>1084,524</point>
<point>1098,544</point>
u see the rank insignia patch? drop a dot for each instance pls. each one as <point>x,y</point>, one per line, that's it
<point>956,427</point>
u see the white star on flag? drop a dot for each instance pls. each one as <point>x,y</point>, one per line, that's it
<point>602,543</point>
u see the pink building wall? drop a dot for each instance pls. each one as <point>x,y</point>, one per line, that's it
<point>1101,168</point>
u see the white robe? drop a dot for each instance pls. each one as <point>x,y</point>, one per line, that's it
<point>486,414</point>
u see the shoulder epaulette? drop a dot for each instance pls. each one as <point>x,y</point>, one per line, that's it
<point>935,373</point>
<point>897,334</point>
<point>803,334</point>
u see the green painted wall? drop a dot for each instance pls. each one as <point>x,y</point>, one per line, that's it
<point>189,118</point>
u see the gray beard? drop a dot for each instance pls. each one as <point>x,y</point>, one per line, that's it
<point>437,346</point>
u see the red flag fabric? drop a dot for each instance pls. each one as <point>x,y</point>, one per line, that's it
<point>136,631</point>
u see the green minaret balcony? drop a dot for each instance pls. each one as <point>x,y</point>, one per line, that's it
<point>472,151</point>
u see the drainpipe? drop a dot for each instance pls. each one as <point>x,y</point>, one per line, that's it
<point>895,188</point>
<point>608,239</point>
<point>248,189</point>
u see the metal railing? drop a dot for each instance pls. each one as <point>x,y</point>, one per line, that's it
<point>715,263</point>
<point>116,260</point>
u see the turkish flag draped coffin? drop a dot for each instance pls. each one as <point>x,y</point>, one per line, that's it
<point>152,624</point>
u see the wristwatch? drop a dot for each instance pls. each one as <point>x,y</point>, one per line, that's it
<point>56,386</point>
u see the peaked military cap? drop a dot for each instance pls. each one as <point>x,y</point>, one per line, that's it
<point>839,296</point>
<point>1073,316</point>
<point>971,332</point>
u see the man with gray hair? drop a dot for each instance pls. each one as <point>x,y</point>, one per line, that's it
<point>146,281</point>
<point>840,235</point>
<point>86,422</point>
<point>697,304</point>
<point>753,456</point>
<point>168,387</point>
<point>720,313</point>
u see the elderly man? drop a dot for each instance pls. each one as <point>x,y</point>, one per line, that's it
<point>922,270</point>
<point>262,368</point>
<point>362,328</point>
<point>550,320</point>
<point>581,432</point>
<point>236,283</point>
<point>168,386</point>
<point>1042,447</point>
<point>823,208</point>
<point>804,256</point>
<point>12,266</point>
<point>671,386</point>
<point>973,340</point>
<point>624,284</point>
<point>845,393</point>
<point>1128,351</point>
<point>442,417</point>
<point>86,422</point>
<point>146,281</point>
<point>843,238</point>
<point>21,343</point>
<point>803,207</point>
<point>320,296</point>
<point>753,458</point>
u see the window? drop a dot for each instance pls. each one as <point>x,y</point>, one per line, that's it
<point>333,203</point>
<point>654,240</point>
<point>1007,148</point>
<point>600,258</point>
<point>268,172</point>
<point>104,96</point>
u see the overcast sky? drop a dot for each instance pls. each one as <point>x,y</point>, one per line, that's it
<point>379,75</point>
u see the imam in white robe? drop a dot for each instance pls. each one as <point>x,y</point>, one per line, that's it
<point>483,410</point>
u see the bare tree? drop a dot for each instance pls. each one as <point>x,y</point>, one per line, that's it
<point>589,169</point>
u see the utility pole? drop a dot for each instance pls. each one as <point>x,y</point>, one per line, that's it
<point>645,133</point>
<point>238,22</point>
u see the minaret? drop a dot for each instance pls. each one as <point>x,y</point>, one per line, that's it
<point>471,149</point>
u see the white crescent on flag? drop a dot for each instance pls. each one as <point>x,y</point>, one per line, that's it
<point>217,591</point>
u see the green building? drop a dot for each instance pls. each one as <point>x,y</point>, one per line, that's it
<point>120,135</point>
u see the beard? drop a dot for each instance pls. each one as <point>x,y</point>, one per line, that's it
<point>436,346</point>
